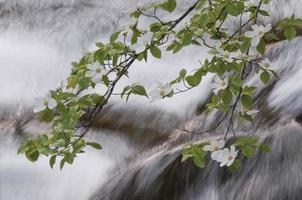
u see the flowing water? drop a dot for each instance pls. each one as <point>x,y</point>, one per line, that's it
<point>140,160</point>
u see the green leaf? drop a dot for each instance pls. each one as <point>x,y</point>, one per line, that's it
<point>265,77</point>
<point>52,161</point>
<point>24,147</point>
<point>290,33</point>
<point>235,9</point>
<point>135,14</point>
<point>199,161</point>
<point>182,73</point>
<point>227,96</point>
<point>264,13</point>
<point>73,81</point>
<point>60,143</point>
<point>235,166</point>
<point>69,158</point>
<point>140,90</point>
<point>84,82</point>
<point>242,141</point>
<point>94,145</point>
<point>261,46</point>
<point>155,51</point>
<point>106,80</point>
<point>169,6</point>
<point>192,81</point>
<point>62,163</point>
<point>248,151</point>
<point>114,36</point>
<point>246,101</point>
<point>32,155</point>
<point>264,148</point>
<point>46,115</point>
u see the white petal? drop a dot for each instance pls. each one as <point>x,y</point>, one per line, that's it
<point>267,28</point>
<point>52,103</point>
<point>221,143</point>
<point>224,87</point>
<point>93,66</point>
<point>39,108</point>
<point>230,162</point>
<point>250,34</point>
<point>256,27</point>
<point>223,163</point>
<point>140,48</point>
<point>233,151</point>
<point>216,91</point>
<point>96,78</point>
<point>90,73</point>
<point>255,41</point>
<point>217,155</point>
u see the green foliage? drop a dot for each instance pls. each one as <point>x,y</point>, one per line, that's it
<point>76,107</point>
<point>196,153</point>
<point>289,25</point>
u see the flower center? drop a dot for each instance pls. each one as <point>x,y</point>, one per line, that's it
<point>226,55</point>
<point>216,148</point>
<point>261,33</point>
<point>45,102</point>
<point>98,70</point>
<point>230,158</point>
<point>162,93</point>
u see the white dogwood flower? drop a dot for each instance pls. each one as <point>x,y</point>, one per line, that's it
<point>43,103</point>
<point>96,72</point>
<point>225,156</point>
<point>142,42</point>
<point>251,113</point>
<point>161,91</point>
<point>219,84</point>
<point>265,64</point>
<point>249,3</point>
<point>214,145</point>
<point>226,55</point>
<point>257,33</point>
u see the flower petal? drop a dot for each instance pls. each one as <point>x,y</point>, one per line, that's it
<point>39,108</point>
<point>250,34</point>
<point>90,73</point>
<point>255,41</point>
<point>52,103</point>
<point>96,78</point>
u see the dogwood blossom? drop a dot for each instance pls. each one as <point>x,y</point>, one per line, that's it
<point>96,72</point>
<point>265,64</point>
<point>257,33</point>
<point>142,42</point>
<point>161,91</point>
<point>43,103</point>
<point>226,55</point>
<point>250,3</point>
<point>225,156</point>
<point>219,84</point>
<point>214,145</point>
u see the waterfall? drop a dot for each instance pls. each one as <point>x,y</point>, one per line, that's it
<point>141,146</point>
